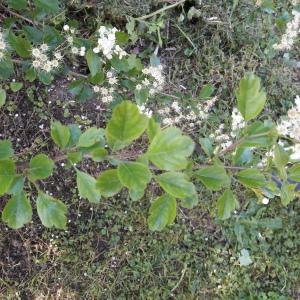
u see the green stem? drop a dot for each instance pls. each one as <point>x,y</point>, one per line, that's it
<point>159,11</point>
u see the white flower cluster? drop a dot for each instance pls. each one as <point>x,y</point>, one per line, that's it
<point>70,39</point>
<point>3,45</point>
<point>148,112</point>
<point>156,82</point>
<point>176,115</point>
<point>290,125</point>
<point>226,140</point>
<point>292,30</point>
<point>107,92</point>
<point>42,61</point>
<point>107,43</point>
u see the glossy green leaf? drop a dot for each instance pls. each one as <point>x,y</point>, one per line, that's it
<point>52,212</point>
<point>93,61</point>
<point>226,204</point>
<point>259,134</point>
<point>250,97</point>
<point>87,187</point>
<point>99,154</point>
<point>75,157</point>
<point>176,184</point>
<point>134,175</point>
<point>7,175</point>
<point>108,183</point>
<point>17,211</point>
<point>40,167</point>
<point>252,178</point>
<point>206,91</point>
<point>126,125</point>
<point>190,202</point>
<point>2,97</point>
<point>162,212</point>
<point>6,149</point>
<point>170,149</point>
<point>136,194</point>
<point>90,137</point>
<point>294,172</point>
<point>206,145</point>
<point>287,193</point>
<point>20,45</point>
<point>17,185</point>
<point>17,4</point>
<point>16,86</point>
<point>60,134</point>
<point>153,129</point>
<point>214,177</point>
<point>47,6</point>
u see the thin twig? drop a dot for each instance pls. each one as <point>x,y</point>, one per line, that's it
<point>17,15</point>
<point>159,11</point>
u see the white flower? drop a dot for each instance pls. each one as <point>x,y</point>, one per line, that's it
<point>104,91</point>
<point>109,74</point>
<point>55,63</point>
<point>58,55</point>
<point>70,39</point>
<point>47,67</point>
<point>36,52</point>
<point>44,47</point>
<point>36,63</point>
<point>96,50</point>
<point>265,201</point>
<point>43,57</point>
<point>74,50</point>
<point>66,27</point>
<point>138,87</point>
<point>2,45</point>
<point>112,80</point>
<point>96,89</point>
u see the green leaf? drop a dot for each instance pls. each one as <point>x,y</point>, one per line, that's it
<point>75,134</point>
<point>176,184</point>
<point>6,149</point>
<point>162,212</point>
<point>250,97</point>
<point>226,204</point>
<point>87,187</point>
<point>136,194</point>
<point>294,172</point>
<point>134,175</point>
<point>190,202</point>
<point>281,158</point>
<point>206,146</point>
<point>40,167</point>
<point>30,74</point>
<point>90,137</point>
<point>17,185</point>
<point>169,149</point>
<point>252,178</point>
<point>108,183</point>
<point>93,61</point>
<point>16,86</point>
<point>287,193</point>
<point>214,178</point>
<point>60,134</point>
<point>17,4</point>
<point>6,70</point>
<point>74,157</point>
<point>52,212</point>
<point>206,91</point>
<point>2,97</point>
<point>17,211</point>
<point>47,6</point>
<point>99,154</point>
<point>7,175</point>
<point>141,96</point>
<point>259,134</point>
<point>153,129</point>
<point>20,44</point>
<point>45,78</point>
<point>126,125</point>
<point>80,90</point>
